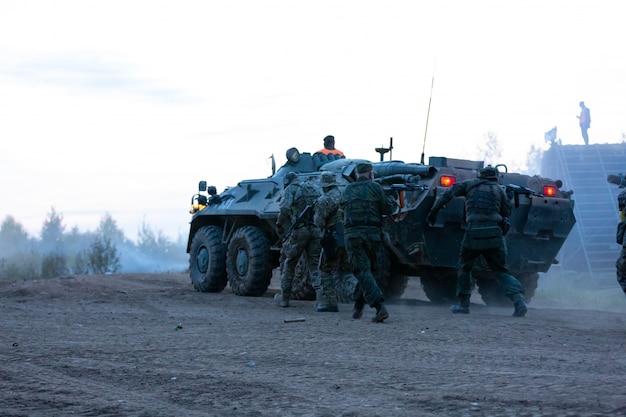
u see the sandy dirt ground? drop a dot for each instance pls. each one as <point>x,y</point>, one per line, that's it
<point>149,345</point>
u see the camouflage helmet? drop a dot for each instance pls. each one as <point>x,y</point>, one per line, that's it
<point>289,178</point>
<point>488,173</point>
<point>328,179</point>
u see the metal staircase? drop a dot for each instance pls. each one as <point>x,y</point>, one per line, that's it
<point>590,247</point>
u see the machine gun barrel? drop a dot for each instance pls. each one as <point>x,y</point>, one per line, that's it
<point>397,179</point>
<point>388,168</point>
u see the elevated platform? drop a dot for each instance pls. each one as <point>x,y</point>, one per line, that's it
<point>590,247</point>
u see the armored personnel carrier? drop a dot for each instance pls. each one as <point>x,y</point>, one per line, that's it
<point>233,237</point>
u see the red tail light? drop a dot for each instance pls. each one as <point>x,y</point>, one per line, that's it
<point>550,191</point>
<point>447,181</point>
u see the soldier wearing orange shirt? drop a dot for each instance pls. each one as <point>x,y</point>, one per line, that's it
<point>329,147</point>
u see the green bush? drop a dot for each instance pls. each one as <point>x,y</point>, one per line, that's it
<point>19,267</point>
<point>54,265</point>
<point>102,256</point>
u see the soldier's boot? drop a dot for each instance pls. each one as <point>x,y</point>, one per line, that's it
<point>357,310</point>
<point>463,306</point>
<point>319,300</point>
<point>322,305</point>
<point>381,313</point>
<point>520,308</point>
<point>282,299</point>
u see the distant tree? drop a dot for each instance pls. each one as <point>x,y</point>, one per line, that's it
<point>108,229</point>
<point>54,265</point>
<point>181,241</point>
<point>81,263</point>
<point>13,237</point>
<point>102,256</point>
<point>54,262</point>
<point>75,244</point>
<point>75,240</point>
<point>52,232</point>
<point>153,243</point>
<point>155,252</point>
<point>19,267</point>
<point>18,260</point>
<point>490,150</point>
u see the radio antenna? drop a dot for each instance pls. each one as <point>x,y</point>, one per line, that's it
<point>432,83</point>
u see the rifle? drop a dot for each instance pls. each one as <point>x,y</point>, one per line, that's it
<point>305,216</point>
<point>518,189</point>
<point>393,190</point>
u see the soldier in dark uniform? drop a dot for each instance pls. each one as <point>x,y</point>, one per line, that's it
<point>486,205</point>
<point>364,203</point>
<point>304,238</point>
<point>620,264</point>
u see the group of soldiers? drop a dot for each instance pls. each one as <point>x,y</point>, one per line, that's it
<point>334,229</point>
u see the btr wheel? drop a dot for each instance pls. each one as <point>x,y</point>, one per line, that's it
<point>382,273</point>
<point>397,285</point>
<point>491,293</point>
<point>248,263</point>
<point>529,281</point>
<point>390,282</point>
<point>207,260</point>
<point>439,285</point>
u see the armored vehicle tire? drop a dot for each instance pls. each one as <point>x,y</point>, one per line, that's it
<point>391,283</point>
<point>396,285</point>
<point>248,263</point>
<point>492,294</point>
<point>529,283</point>
<point>207,260</point>
<point>439,285</point>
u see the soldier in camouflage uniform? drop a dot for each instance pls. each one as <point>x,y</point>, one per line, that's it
<point>620,264</point>
<point>305,237</point>
<point>486,206</point>
<point>364,203</point>
<point>328,218</point>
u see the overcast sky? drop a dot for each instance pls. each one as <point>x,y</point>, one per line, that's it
<point>121,107</point>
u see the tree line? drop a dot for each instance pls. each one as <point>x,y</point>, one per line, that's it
<point>57,252</point>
